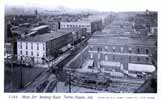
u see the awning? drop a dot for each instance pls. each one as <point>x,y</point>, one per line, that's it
<point>110,63</point>
<point>90,63</point>
<point>141,67</point>
<point>117,74</point>
<point>63,49</point>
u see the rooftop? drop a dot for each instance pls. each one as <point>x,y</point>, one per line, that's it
<point>70,29</point>
<point>45,37</point>
<point>39,27</point>
<point>91,19</point>
<point>84,20</point>
<point>104,38</point>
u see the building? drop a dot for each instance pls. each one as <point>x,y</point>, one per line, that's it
<point>105,18</point>
<point>52,21</point>
<point>8,50</point>
<point>78,33</point>
<point>146,23</point>
<point>91,25</point>
<point>115,56</point>
<point>131,53</point>
<point>33,49</point>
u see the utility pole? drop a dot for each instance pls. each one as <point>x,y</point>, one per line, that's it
<point>70,83</point>
<point>12,73</point>
<point>56,86</point>
<point>21,85</point>
<point>11,69</point>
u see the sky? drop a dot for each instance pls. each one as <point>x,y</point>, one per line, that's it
<point>100,5</point>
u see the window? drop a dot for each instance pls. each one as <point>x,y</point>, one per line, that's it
<point>26,45</point>
<point>37,53</point>
<point>20,52</point>
<point>99,49</point>
<point>130,50</point>
<point>129,58</point>
<point>147,59</point>
<point>43,46</point>
<point>138,50</point>
<point>26,52</point>
<point>106,57</point>
<point>32,46</point>
<point>44,54</point>
<point>113,48</point>
<point>121,49</point>
<point>37,46</point>
<point>106,48</point>
<point>99,55</point>
<point>90,48</point>
<point>21,45</point>
<point>32,53</point>
<point>113,57</point>
<point>147,51</point>
<point>91,55</point>
<point>138,58</point>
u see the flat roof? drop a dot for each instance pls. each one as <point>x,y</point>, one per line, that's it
<point>39,27</point>
<point>76,22</point>
<point>70,29</point>
<point>45,37</point>
<point>119,39</point>
<point>84,20</point>
<point>122,41</point>
<point>110,63</point>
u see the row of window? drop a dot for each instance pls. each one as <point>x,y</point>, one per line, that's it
<point>121,49</point>
<point>115,58</point>
<point>69,26</point>
<point>27,53</point>
<point>32,46</point>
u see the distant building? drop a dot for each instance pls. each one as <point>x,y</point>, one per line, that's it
<point>78,33</point>
<point>90,25</point>
<point>10,47</point>
<point>146,23</point>
<point>53,22</point>
<point>153,31</point>
<point>105,18</point>
<point>8,50</point>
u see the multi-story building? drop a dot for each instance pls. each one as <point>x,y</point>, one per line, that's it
<point>48,45</point>
<point>33,49</point>
<point>78,33</point>
<point>132,53</point>
<point>91,25</point>
<point>116,56</point>
<point>105,18</point>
